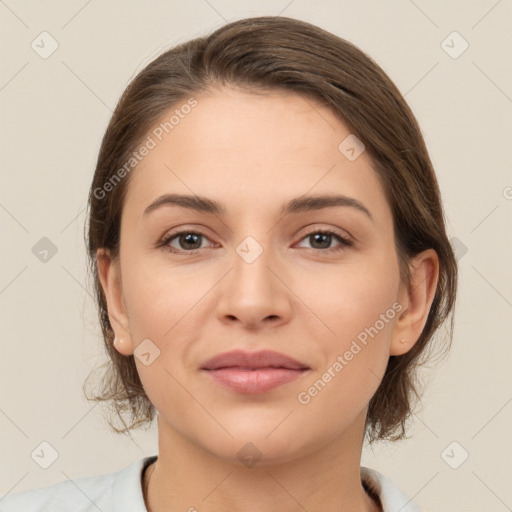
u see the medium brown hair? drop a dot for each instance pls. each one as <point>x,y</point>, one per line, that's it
<point>269,54</point>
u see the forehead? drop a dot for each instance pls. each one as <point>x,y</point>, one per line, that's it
<point>253,149</point>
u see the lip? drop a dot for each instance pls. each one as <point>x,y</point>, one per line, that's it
<point>254,381</point>
<point>253,360</point>
<point>253,372</point>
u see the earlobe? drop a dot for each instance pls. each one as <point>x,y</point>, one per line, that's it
<point>119,344</point>
<point>417,300</point>
<point>108,273</point>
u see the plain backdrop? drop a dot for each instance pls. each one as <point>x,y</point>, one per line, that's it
<point>54,112</point>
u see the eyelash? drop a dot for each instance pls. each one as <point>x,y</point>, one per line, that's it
<point>344,242</point>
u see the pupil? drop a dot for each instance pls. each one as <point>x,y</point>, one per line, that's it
<point>325,237</point>
<point>188,238</point>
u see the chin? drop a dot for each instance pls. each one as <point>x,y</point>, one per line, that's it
<point>253,448</point>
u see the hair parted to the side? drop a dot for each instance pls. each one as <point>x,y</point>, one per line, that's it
<point>267,54</point>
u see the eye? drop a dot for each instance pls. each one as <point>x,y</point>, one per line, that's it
<point>189,242</point>
<point>323,238</point>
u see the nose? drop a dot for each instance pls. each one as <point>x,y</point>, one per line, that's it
<point>254,292</point>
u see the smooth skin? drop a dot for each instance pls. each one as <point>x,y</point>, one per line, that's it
<point>304,296</point>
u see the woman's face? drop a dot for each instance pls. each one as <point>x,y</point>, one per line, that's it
<point>254,278</point>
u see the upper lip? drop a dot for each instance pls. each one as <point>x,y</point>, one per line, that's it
<point>253,360</point>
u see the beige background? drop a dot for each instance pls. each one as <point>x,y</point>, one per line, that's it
<point>54,112</point>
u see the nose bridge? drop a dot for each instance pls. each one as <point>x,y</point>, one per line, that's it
<point>256,249</point>
<point>253,292</point>
<point>254,256</point>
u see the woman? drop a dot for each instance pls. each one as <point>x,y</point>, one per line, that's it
<point>269,254</point>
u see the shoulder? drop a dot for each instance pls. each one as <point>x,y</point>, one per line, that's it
<point>391,496</point>
<point>108,492</point>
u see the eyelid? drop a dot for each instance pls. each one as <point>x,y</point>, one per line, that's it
<point>321,227</point>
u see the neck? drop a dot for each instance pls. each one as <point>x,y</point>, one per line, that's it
<point>186,477</point>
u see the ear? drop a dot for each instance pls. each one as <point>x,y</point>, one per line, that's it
<point>110,277</point>
<point>416,300</point>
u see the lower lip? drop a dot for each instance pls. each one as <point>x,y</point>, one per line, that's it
<point>254,381</point>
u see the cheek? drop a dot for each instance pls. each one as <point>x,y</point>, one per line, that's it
<point>352,297</point>
<point>163,303</point>
<point>157,296</point>
<point>354,356</point>
<point>159,303</point>
<point>358,308</point>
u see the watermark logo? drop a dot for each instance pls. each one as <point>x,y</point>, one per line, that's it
<point>44,455</point>
<point>454,455</point>
<point>454,45</point>
<point>249,249</point>
<point>146,352</point>
<point>249,454</point>
<point>44,45</point>
<point>44,250</point>
<point>351,147</point>
<point>459,247</point>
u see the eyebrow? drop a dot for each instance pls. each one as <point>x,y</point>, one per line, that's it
<point>297,205</point>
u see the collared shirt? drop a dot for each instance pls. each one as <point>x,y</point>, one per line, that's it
<point>121,491</point>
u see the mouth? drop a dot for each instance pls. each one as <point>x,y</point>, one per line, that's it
<point>257,372</point>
